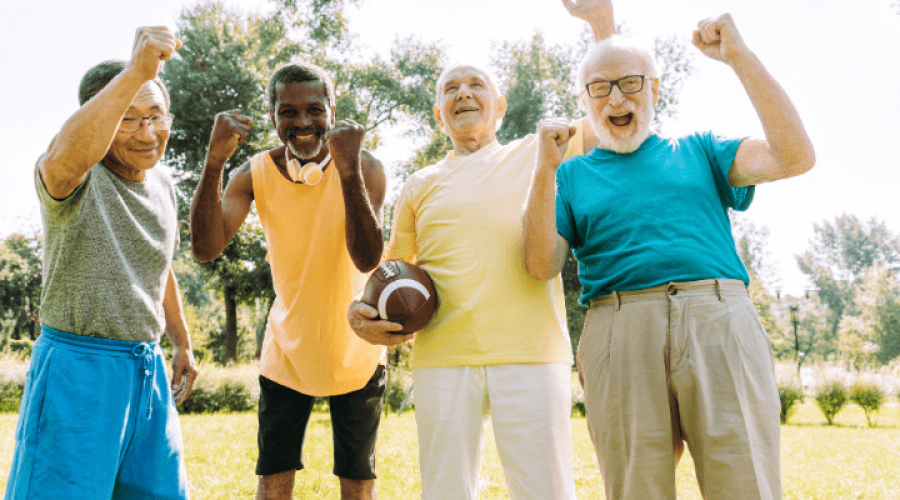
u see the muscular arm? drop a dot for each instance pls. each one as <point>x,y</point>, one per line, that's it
<point>216,217</point>
<point>787,150</point>
<point>364,191</point>
<point>184,369</point>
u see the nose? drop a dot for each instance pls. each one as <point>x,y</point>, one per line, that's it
<point>465,92</point>
<point>616,96</point>
<point>145,133</point>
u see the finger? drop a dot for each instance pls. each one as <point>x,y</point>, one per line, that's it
<point>363,309</point>
<point>568,4</point>
<point>572,130</point>
<point>697,40</point>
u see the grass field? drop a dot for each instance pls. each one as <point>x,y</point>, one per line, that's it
<point>844,461</point>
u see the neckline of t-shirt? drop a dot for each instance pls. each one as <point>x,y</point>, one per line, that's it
<point>649,142</point>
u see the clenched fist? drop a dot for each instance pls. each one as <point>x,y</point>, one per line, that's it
<point>231,128</point>
<point>152,47</point>
<point>345,144</point>
<point>718,38</point>
<point>553,137</point>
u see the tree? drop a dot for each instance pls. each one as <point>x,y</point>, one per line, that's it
<point>751,243</point>
<point>839,255</point>
<point>20,283</point>
<point>871,333</point>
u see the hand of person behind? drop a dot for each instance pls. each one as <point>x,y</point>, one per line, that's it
<point>364,320</point>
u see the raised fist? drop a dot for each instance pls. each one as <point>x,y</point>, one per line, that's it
<point>718,38</point>
<point>231,128</point>
<point>345,144</point>
<point>553,139</point>
<point>152,47</point>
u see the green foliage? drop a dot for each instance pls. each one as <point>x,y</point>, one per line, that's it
<point>20,286</point>
<point>868,395</point>
<point>831,396</point>
<point>13,370</point>
<point>221,389</point>
<point>789,395</point>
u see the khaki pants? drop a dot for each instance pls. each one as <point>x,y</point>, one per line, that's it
<point>683,362</point>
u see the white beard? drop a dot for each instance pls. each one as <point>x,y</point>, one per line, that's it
<point>629,143</point>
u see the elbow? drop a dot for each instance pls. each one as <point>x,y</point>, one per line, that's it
<point>368,261</point>
<point>203,253</point>
<point>802,163</point>
<point>539,271</point>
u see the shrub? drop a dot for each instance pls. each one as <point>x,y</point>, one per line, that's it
<point>13,369</point>
<point>218,388</point>
<point>868,395</point>
<point>21,347</point>
<point>790,389</point>
<point>831,396</point>
<point>578,407</point>
<point>399,384</point>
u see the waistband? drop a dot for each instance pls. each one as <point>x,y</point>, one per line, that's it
<point>718,287</point>
<point>97,343</point>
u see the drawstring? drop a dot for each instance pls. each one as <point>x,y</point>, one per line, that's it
<point>144,351</point>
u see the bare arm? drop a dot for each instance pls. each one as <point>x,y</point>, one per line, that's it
<point>545,249</point>
<point>597,13</point>
<point>87,135</point>
<point>787,150</point>
<point>184,369</point>
<point>214,217</point>
<point>363,186</point>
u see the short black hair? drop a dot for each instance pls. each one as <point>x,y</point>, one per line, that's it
<point>300,71</point>
<point>100,75</point>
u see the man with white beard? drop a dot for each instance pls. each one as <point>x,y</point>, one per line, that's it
<point>672,349</point>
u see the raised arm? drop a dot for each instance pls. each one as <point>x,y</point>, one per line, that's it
<point>545,249</point>
<point>214,217</point>
<point>787,150</point>
<point>87,135</point>
<point>597,13</point>
<point>363,186</point>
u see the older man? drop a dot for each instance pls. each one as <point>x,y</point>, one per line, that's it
<point>319,198</point>
<point>498,346</point>
<point>98,418</point>
<point>672,349</point>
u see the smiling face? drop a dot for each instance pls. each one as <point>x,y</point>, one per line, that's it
<point>301,116</point>
<point>467,106</point>
<point>620,121</point>
<point>131,154</point>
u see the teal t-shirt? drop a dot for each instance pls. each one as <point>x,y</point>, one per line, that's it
<point>657,215</point>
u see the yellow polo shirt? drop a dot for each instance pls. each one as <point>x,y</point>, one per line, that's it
<point>461,221</point>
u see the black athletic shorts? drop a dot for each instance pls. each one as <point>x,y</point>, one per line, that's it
<point>284,415</point>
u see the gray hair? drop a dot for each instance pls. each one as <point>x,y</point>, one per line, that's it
<point>615,43</point>
<point>438,90</point>
<point>299,71</point>
<point>100,75</point>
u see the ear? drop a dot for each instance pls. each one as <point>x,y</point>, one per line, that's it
<point>272,116</point>
<point>332,116</point>
<point>437,117</point>
<point>500,106</point>
<point>581,98</point>
<point>655,87</point>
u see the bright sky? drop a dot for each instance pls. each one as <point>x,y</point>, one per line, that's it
<point>836,59</point>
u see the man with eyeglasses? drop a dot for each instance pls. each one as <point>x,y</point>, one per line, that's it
<point>672,350</point>
<point>98,417</point>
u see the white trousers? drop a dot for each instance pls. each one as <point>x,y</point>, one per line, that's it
<point>530,406</point>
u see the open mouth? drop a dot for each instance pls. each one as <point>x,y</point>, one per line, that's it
<point>465,110</point>
<point>621,120</point>
<point>305,135</point>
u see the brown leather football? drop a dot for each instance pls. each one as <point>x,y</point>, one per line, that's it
<point>402,293</point>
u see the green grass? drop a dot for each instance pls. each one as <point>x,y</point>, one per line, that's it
<point>846,461</point>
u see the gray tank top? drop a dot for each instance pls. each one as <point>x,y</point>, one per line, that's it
<point>107,252</point>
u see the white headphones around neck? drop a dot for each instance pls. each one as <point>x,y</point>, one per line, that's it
<point>309,174</point>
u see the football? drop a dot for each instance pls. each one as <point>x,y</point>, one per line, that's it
<point>402,293</point>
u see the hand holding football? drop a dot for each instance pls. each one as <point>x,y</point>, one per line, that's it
<point>402,293</point>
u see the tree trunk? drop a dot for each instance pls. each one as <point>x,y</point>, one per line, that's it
<point>230,326</point>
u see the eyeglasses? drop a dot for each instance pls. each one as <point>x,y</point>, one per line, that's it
<point>131,124</point>
<point>631,84</point>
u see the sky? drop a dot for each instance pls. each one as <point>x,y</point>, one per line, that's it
<point>837,60</point>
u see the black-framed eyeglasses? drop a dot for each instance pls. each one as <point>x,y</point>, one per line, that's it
<point>131,124</point>
<point>631,84</point>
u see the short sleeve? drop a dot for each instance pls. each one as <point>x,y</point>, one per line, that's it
<point>59,211</point>
<point>721,152</point>
<point>403,230</point>
<point>565,221</point>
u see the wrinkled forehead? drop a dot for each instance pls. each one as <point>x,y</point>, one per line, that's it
<point>611,62</point>
<point>149,98</point>
<point>463,73</point>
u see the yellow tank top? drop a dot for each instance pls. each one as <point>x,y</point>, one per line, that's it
<point>309,345</point>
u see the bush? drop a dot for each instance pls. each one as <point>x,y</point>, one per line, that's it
<point>790,395</point>
<point>578,407</point>
<point>228,389</point>
<point>831,396</point>
<point>21,347</point>
<point>13,369</point>
<point>868,395</point>
<point>398,385</point>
